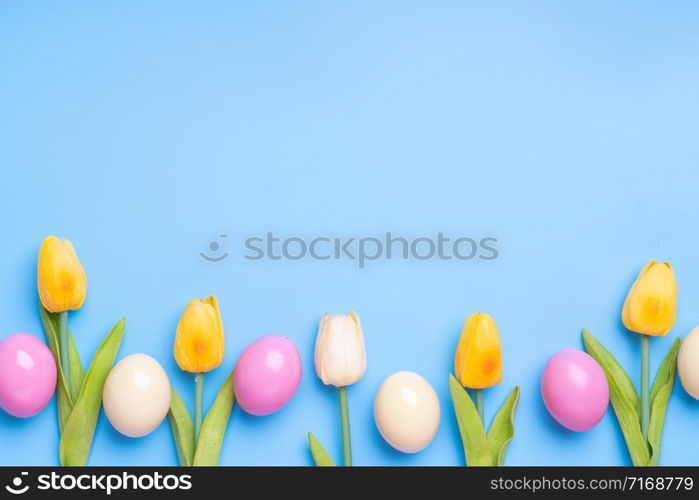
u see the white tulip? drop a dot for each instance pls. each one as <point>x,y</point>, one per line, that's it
<point>340,357</point>
<point>688,363</point>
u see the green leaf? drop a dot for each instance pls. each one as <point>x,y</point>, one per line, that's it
<point>624,398</point>
<point>502,430</point>
<point>659,399</point>
<point>595,349</point>
<point>667,370</point>
<point>320,456</point>
<point>476,448</point>
<point>214,427</point>
<point>182,429</point>
<point>79,430</point>
<point>64,399</point>
<point>77,373</point>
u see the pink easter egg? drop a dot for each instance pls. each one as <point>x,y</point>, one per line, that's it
<point>575,389</point>
<point>27,375</point>
<point>267,375</point>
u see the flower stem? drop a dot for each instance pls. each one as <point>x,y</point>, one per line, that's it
<point>344,420</point>
<point>645,384</point>
<point>478,395</point>
<point>198,404</point>
<point>63,340</point>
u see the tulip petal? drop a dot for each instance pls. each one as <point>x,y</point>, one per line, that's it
<point>624,398</point>
<point>476,448</point>
<point>61,279</point>
<point>214,427</point>
<point>199,344</point>
<point>650,306</point>
<point>182,429</point>
<point>478,356</point>
<point>320,456</point>
<point>502,430</point>
<point>340,355</point>
<point>660,397</point>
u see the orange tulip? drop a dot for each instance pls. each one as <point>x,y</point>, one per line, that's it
<point>61,278</point>
<point>651,304</point>
<point>478,358</point>
<point>199,346</point>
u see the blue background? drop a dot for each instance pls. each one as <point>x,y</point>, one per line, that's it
<point>142,130</point>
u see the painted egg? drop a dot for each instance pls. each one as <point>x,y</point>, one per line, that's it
<point>267,374</point>
<point>688,363</point>
<point>136,395</point>
<point>406,410</point>
<point>27,375</point>
<point>575,390</point>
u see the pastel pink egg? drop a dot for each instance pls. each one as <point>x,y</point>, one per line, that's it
<point>575,390</point>
<point>27,375</point>
<point>267,375</point>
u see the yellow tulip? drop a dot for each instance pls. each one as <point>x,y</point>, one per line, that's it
<point>651,304</point>
<point>60,277</point>
<point>199,344</point>
<point>478,359</point>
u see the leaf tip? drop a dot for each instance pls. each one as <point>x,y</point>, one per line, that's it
<point>587,338</point>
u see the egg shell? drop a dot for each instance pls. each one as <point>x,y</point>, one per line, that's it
<point>688,363</point>
<point>136,395</point>
<point>27,375</point>
<point>575,390</point>
<point>406,410</point>
<point>267,375</point>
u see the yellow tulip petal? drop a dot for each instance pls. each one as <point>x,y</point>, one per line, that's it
<point>651,304</point>
<point>199,344</point>
<point>478,358</point>
<point>61,279</point>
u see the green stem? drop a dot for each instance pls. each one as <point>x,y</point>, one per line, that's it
<point>198,404</point>
<point>344,420</point>
<point>478,395</point>
<point>63,340</point>
<point>645,384</point>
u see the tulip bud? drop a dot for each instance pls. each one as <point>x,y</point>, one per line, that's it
<point>651,303</point>
<point>478,359</point>
<point>340,358</point>
<point>199,343</point>
<point>60,277</point>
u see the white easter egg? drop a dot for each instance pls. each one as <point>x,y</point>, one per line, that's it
<point>136,395</point>
<point>688,363</point>
<point>406,410</point>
